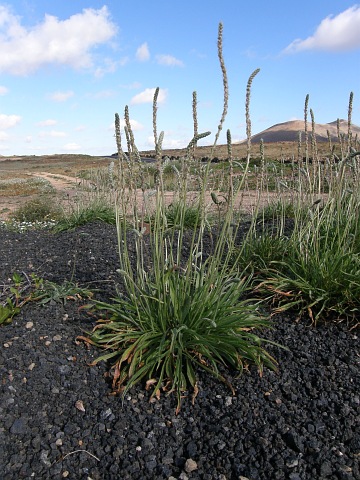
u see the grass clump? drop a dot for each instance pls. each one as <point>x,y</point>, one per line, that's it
<point>39,209</point>
<point>320,274</point>
<point>180,310</point>
<point>86,213</point>
<point>175,325</point>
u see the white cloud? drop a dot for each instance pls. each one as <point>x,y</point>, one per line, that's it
<point>142,53</point>
<point>8,121</point>
<point>108,67</point>
<point>52,133</point>
<point>172,143</point>
<point>53,41</point>
<point>47,123</point>
<point>80,128</point>
<point>339,33</point>
<point>28,139</point>
<point>3,136</point>
<point>3,90</point>
<point>72,147</point>
<point>169,61</point>
<point>123,61</point>
<point>61,96</point>
<point>135,125</point>
<point>147,96</point>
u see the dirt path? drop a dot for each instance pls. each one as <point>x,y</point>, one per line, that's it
<point>64,186</point>
<point>67,187</point>
<point>58,181</point>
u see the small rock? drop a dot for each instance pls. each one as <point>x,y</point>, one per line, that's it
<point>292,462</point>
<point>191,449</point>
<point>44,458</point>
<point>31,366</point>
<point>106,413</point>
<point>325,469</point>
<point>228,401</point>
<point>57,338</point>
<point>18,427</point>
<point>58,442</point>
<point>190,465</point>
<point>294,441</point>
<point>29,325</point>
<point>294,476</point>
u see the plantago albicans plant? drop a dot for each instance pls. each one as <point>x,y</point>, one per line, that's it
<point>181,310</point>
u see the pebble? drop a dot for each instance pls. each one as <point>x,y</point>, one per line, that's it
<point>190,465</point>
<point>18,427</point>
<point>29,325</point>
<point>183,476</point>
<point>44,458</point>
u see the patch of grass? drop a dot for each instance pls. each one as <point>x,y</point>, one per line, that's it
<point>40,209</point>
<point>182,312</point>
<point>13,187</point>
<point>179,216</point>
<point>320,274</point>
<point>258,252</point>
<point>23,290</point>
<point>83,214</point>
<point>175,323</point>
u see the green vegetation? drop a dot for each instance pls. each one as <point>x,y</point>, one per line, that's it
<point>40,209</point>
<point>94,211</point>
<point>22,290</point>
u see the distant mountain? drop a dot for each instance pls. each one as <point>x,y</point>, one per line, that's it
<point>289,131</point>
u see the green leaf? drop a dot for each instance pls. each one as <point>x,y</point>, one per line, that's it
<point>7,312</point>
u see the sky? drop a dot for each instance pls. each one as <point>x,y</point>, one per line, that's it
<point>67,67</point>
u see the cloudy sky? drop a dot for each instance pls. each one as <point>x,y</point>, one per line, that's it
<point>67,67</point>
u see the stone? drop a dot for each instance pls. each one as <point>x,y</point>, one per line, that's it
<point>18,427</point>
<point>190,465</point>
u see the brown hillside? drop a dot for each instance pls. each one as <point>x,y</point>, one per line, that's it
<point>289,131</point>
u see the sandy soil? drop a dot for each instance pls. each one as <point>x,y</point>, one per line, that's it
<point>67,187</point>
<point>64,186</point>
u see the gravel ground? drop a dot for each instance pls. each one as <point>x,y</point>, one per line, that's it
<point>300,423</point>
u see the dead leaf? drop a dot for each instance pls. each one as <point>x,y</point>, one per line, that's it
<point>195,393</point>
<point>150,382</point>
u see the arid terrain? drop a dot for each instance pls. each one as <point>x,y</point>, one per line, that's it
<point>22,178</point>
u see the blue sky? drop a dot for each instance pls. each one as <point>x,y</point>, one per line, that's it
<point>67,67</point>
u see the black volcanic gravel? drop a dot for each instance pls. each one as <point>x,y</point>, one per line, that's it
<point>301,423</point>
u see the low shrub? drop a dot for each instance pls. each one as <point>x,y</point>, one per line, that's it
<point>40,209</point>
